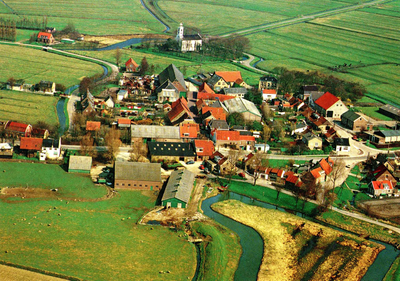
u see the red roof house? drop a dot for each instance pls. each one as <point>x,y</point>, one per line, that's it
<point>213,97</point>
<point>180,111</point>
<point>131,65</point>
<point>189,130</point>
<point>330,106</point>
<point>205,88</point>
<point>31,143</point>
<point>45,37</point>
<point>204,148</point>
<point>230,76</point>
<point>378,188</point>
<point>232,138</point>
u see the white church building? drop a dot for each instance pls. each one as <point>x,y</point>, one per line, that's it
<point>188,43</point>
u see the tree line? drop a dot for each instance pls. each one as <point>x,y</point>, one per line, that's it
<point>26,23</point>
<point>292,81</point>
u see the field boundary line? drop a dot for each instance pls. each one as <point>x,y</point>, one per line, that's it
<point>41,271</point>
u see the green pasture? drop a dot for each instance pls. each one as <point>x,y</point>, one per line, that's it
<point>28,175</point>
<point>94,240</point>
<point>221,252</point>
<point>372,111</point>
<point>35,65</point>
<point>394,272</point>
<point>27,108</point>
<point>97,18</point>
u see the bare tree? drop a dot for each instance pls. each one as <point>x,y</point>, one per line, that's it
<point>138,152</point>
<point>266,111</point>
<point>11,81</point>
<point>266,132</point>
<point>232,159</point>
<point>255,162</point>
<point>78,122</point>
<point>87,146</point>
<point>338,170</point>
<point>113,142</point>
<point>144,66</point>
<point>118,55</point>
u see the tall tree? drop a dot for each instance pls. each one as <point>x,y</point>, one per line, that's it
<point>118,55</point>
<point>11,81</point>
<point>144,66</point>
<point>85,85</point>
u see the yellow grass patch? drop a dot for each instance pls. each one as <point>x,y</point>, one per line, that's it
<point>334,253</point>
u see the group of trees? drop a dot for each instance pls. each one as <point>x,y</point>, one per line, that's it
<point>231,47</point>
<point>292,81</point>
<point>8,30</point>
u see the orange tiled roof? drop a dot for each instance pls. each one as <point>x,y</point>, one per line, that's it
<point>269,91</point>
<point>189,130</point>
<point>31,143</point>
<point>378,185</point>
<point>206,145</point>
<point>209,96</point>
<point>44,34</point>
<point>229,76</point>
<point>124,121</point>
<point>316,172</point>
<point>326,166</point>
<point>217,112</point>
<point>231,136</point>
<point>93,125</point>
<point>204,88</point>
<point>178,107</point>
<point>133,62</point>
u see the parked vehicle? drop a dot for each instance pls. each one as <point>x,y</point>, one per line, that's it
<point>190,162</point>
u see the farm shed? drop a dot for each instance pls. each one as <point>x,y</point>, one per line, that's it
<point>79,164</point>
<point>178,190</point>
<point>137,176</point>
<point>390,111</point>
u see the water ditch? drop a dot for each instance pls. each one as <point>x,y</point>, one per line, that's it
<point>252,243</point>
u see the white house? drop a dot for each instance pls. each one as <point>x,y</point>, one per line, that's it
<point>122,94</point>
<point>268,94</point>
<point>51,149</point>
<point>342,145</point>
<point>169,95</point>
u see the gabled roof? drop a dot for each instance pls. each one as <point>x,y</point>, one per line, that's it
<point>154,131</point>
<point>218,124</point>
<point>189,130</point>
<point>172,73</point>
<point>179,186</point>
<point>310,136</point>
<point>350,115</point>
<point>217,112</point>
<point>51,143</point>
<point>131,61</point>
<point>124,121</point>
<point>342,141</point>
<point>214,79</point>
<point>93,125</point>
<point>382,185</point>
<point>180,109</point>
<point>248,157</point>
<point>241,105</point>
<point>80,163</point>
<point>137,171</point>
<point>185,149</point>
<point>206,145</point>
<point>391,109</point>
<point>44,34</point>
<point>205,88</point>
<point>316,173</point>
<point>31,143</point>
<point>326,100</point>
<point>326,165</point>
<point>229,76</point>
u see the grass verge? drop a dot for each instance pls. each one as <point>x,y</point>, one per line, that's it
<point>220,251</point>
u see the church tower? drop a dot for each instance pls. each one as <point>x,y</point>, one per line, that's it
<point>179,33</point>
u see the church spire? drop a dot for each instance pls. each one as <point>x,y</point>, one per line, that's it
<point>179,33</point>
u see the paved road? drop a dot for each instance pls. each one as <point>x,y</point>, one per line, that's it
<point>367,219</point>
<point>304,18</point>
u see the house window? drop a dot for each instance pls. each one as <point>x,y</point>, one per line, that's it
<point>186,134</point>
<point>129,184</point>
<point>200,149</point>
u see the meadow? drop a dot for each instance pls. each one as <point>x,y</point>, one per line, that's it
<point>298,249</point>
<point>96,18</point>
<point>27,107</point>
<point>84,236</point>
<point>34,65</point>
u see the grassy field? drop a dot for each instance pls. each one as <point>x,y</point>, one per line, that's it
<point>35,65</point>
<point>297,249</point>
<point>28,108</point>
<point>87,238</point>
<point>221,251</point>
<point>161,61</point>
<point>115,16</point>
<point>394,272</point>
